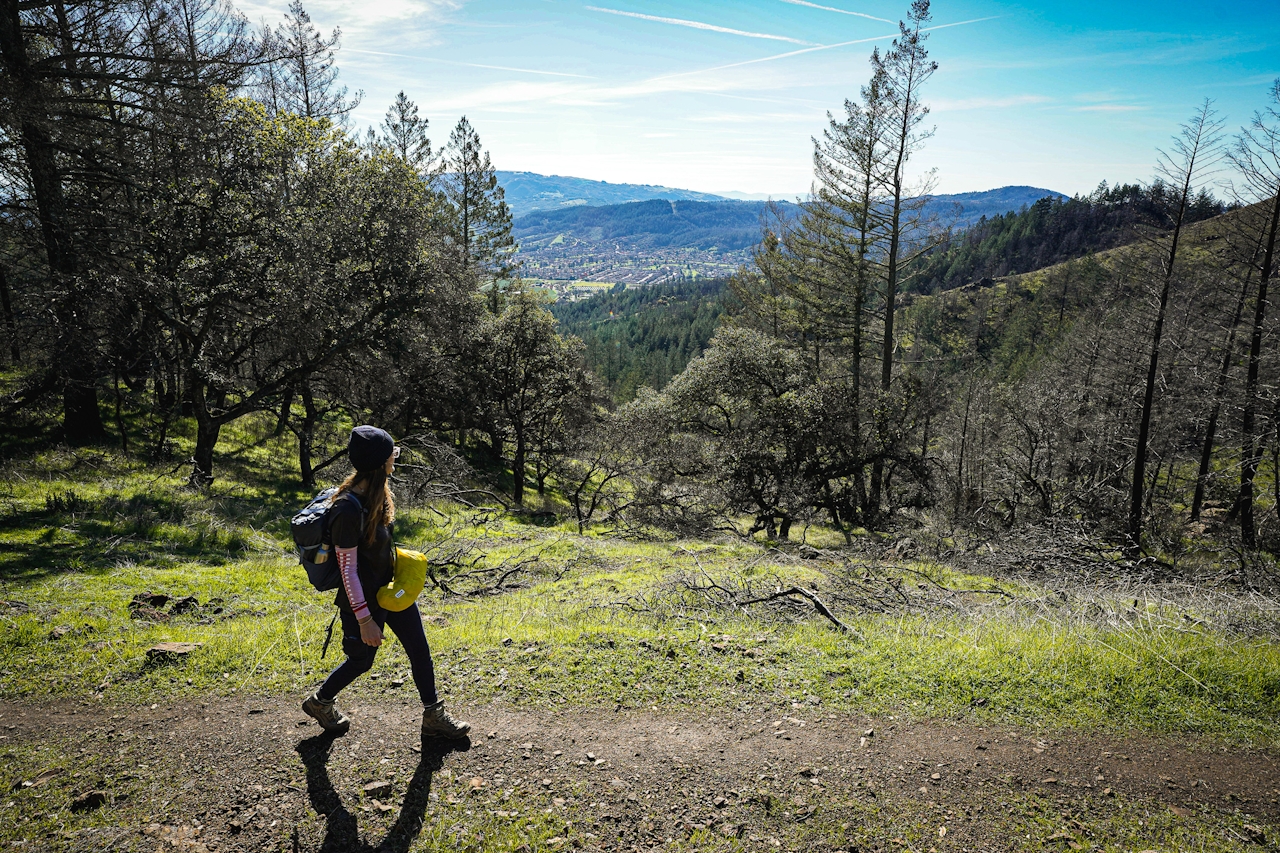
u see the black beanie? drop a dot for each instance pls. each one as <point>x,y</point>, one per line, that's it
<point>369,448</point>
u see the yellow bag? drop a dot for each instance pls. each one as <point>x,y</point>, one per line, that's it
<point>407,579</point>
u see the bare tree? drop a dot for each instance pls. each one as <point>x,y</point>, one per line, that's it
<point>1191,159</point>
<point>1256,154</point>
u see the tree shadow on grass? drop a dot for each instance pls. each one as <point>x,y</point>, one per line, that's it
<point>342,830</point>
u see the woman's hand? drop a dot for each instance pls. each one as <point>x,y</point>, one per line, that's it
<point>370,633</point>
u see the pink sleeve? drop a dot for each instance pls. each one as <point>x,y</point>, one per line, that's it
<point>347,563</point>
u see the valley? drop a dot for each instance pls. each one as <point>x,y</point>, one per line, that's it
<point>646,241</point>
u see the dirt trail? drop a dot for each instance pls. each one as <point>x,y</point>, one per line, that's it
<point>252,773</point>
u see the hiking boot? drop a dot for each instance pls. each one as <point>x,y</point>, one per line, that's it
<point>326,713</point>
<point>437,722</point>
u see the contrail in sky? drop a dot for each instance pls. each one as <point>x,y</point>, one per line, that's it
<point>841,11</point>
<point>468,64</point>
<point>817,48</point>
<point>697,25</point>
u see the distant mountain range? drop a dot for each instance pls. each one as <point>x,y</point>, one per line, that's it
<point>529,191</point>
<point>659,239</point>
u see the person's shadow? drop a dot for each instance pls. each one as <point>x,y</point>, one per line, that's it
<point>342,833</point>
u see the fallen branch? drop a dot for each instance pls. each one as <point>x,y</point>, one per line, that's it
<point>812,598</point>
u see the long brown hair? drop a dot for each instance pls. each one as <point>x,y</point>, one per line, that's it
<point>375,495</point>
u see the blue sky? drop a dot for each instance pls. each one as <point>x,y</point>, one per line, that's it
<point>716,96</point>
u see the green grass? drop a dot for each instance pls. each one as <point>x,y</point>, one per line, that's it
<point>596,620</point>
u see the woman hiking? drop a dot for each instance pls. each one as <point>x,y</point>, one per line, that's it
<point>360,531</point>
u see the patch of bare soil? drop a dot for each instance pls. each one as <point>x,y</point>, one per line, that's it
<point>252,774</point>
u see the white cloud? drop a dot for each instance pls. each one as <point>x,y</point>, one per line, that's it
<point>358,19</point>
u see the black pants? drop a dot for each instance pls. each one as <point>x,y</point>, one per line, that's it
<point>407,625</point>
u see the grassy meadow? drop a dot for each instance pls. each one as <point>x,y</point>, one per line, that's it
<point>589,619</point>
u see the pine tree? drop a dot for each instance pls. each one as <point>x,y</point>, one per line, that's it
<point>482,219</point>
<point>404,133</point>
<point>309,82</point>
<point>905,69</point>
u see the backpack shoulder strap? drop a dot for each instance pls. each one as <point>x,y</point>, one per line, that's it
<point>359,503</point>
<point>364,513</point>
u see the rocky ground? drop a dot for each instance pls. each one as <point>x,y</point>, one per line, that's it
<point>254,773</point>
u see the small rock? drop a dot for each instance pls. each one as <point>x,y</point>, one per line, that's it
<point>1256,834</point>
<point>527,746</point>
<point>936,776</point>
<point>808,772</point>
<point>397,682</point>
<point>1108,792</point>
<point>476,783</point>
<point>59,632</point>
<point>869,733</point>
<point>1051,780</point>
<point>591,756</point>
<point>89,800</point>
<point>377,790</point>
<point>546,783</point>
<point>506,641</point>
<point>720,802</point>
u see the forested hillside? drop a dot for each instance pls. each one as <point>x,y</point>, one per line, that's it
<point>644,336</point>
<point>1052,230</point>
